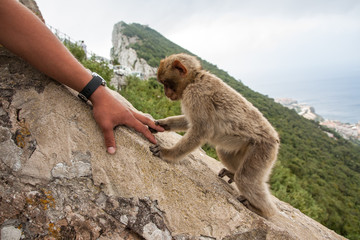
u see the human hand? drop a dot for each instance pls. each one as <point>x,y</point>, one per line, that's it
<point>108,112</point>
<point>45,52</point>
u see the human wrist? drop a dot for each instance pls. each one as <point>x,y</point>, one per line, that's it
<point>98,95</point>
<point>87,91</point>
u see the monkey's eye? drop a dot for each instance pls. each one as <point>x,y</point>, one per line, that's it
<point>169,84</point>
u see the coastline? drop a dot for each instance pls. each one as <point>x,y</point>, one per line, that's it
<point>335,98</point>
<point>348,131</point>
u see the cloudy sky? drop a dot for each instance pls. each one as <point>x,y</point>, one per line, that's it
<point>260,42</point>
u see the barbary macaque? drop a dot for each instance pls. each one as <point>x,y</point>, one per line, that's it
<point>245,141</point>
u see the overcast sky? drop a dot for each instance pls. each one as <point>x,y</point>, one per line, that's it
<point>260,42</point>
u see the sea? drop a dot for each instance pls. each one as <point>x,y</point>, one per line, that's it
<point>332,98</point>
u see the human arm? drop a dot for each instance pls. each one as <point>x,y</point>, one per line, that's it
<point>25,35</point>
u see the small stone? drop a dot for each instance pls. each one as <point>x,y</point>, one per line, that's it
<point>10,233</point>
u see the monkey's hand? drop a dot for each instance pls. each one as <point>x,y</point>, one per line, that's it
<point>163,153</point>
<point>162,124</point>
<point>152,130</point>
<point>159,151</point>
<point>174,123</point>
<point>156,150</point>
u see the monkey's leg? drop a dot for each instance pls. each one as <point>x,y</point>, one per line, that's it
<point>234,160</point>
<point>252,175</point>
<point>231,160</point>
<point>175,123</point>
<point>248,205</point>
<point>224,172</point>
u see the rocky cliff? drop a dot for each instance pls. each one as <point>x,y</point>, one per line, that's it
<point>57,181</point>
<point>126,56</point>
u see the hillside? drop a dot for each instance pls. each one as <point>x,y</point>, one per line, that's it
<point>314,173</point>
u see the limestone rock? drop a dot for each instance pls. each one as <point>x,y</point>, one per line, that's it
<point>32,5</point>
<point>126,56</point>
<point>58,182</point>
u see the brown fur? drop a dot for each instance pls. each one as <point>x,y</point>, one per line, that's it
<point>245,141</point>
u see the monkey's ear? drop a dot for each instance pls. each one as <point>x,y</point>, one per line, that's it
<point>160,68</point>
<point>179,66</point>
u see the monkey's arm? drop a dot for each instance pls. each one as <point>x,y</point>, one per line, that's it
<point>190,141</point>
<point>175,123</point>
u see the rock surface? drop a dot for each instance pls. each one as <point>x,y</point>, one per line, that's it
<point>57,181</point>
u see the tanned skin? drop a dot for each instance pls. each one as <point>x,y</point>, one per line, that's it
<point>245,141</point>
<point>23,33</point>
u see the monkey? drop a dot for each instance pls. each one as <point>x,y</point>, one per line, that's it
<point>214,113</point>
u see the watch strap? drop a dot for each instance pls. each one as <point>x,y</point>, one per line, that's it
<point>94,83</point>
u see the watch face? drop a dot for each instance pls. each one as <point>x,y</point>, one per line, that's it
<point>103,82</point>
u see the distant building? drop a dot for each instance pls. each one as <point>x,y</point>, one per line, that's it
<point>346,130</point>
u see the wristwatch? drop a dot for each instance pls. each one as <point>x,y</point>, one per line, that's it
<point>94,83</point>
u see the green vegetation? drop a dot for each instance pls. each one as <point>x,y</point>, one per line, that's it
<point>314,173</point>
<point>151,100</point>
<point>94,64</point>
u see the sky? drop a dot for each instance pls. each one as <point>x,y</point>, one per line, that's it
<point>262,43</point>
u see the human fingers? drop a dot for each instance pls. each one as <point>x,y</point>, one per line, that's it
<point>141,128</point>
<point>109,139</point>
<point>147,121</point>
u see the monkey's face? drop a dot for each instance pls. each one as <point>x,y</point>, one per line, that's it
<point>170,90</point>
<point>172,78</point>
